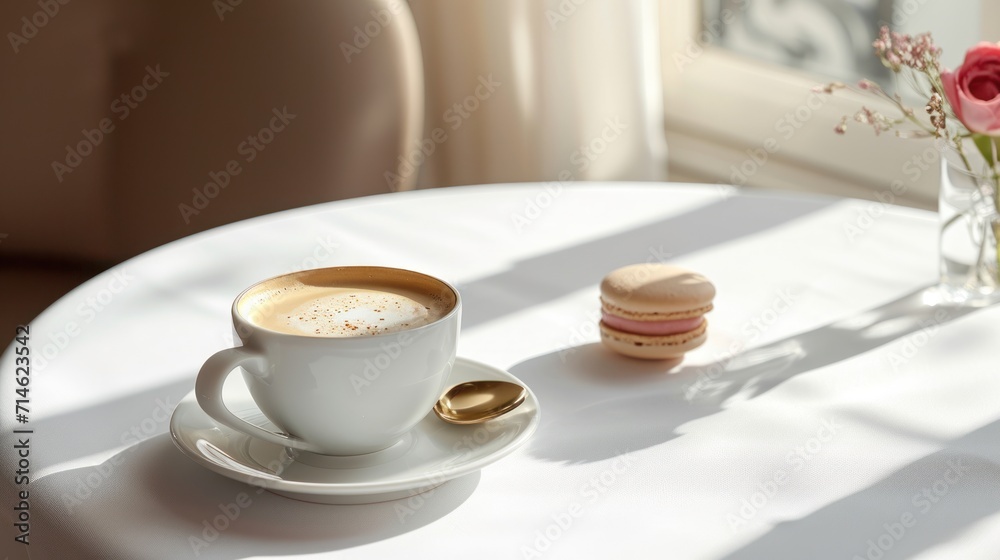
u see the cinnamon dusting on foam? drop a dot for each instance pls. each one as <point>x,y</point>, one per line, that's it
<point>350,311</point>
<point>345,312</point>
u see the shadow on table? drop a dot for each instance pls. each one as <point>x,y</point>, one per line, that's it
<point>597,404</point>
<point>553,274</point>
<point>529,282</point>
<point>917,507</point>
<point>73,435</point>
<point>167,506</point>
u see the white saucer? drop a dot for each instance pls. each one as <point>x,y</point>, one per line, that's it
<point>429,455</point>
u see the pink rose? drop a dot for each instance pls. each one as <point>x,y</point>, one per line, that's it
<point>973,89</point>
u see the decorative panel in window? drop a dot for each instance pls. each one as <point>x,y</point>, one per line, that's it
<point>829,38</point>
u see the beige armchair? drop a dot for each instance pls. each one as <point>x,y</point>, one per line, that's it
<point>131,124</point>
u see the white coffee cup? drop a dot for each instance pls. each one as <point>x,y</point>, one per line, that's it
<point>335,395</point>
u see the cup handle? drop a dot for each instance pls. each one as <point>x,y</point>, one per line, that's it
<point>208,390</point>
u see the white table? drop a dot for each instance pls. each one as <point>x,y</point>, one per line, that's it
<point>827,400</point>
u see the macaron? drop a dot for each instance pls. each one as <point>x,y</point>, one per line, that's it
<point>655,311</point>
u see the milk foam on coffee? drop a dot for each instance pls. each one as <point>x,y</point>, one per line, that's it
<point>357,312</point>
<point>347,302</point>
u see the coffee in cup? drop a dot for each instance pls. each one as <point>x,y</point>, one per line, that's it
<point>314,305</point>
<point>344,361</point>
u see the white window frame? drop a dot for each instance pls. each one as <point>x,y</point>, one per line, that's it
<point>721,109</point>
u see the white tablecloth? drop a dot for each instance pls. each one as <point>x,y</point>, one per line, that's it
<point>830,415</point>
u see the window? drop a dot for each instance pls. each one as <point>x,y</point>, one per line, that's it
<point>739,106</point>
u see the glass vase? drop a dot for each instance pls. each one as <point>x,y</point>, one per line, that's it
<point>969,224</point>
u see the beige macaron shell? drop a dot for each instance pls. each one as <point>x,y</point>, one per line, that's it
<point>653,291</point>
<point>654,347</point>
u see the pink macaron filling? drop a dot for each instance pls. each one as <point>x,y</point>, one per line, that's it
<point>651,328</point>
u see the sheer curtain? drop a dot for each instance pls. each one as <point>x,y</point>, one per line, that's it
<point>525,90</point>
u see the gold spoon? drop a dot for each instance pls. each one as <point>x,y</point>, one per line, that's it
<point>478,401</point>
